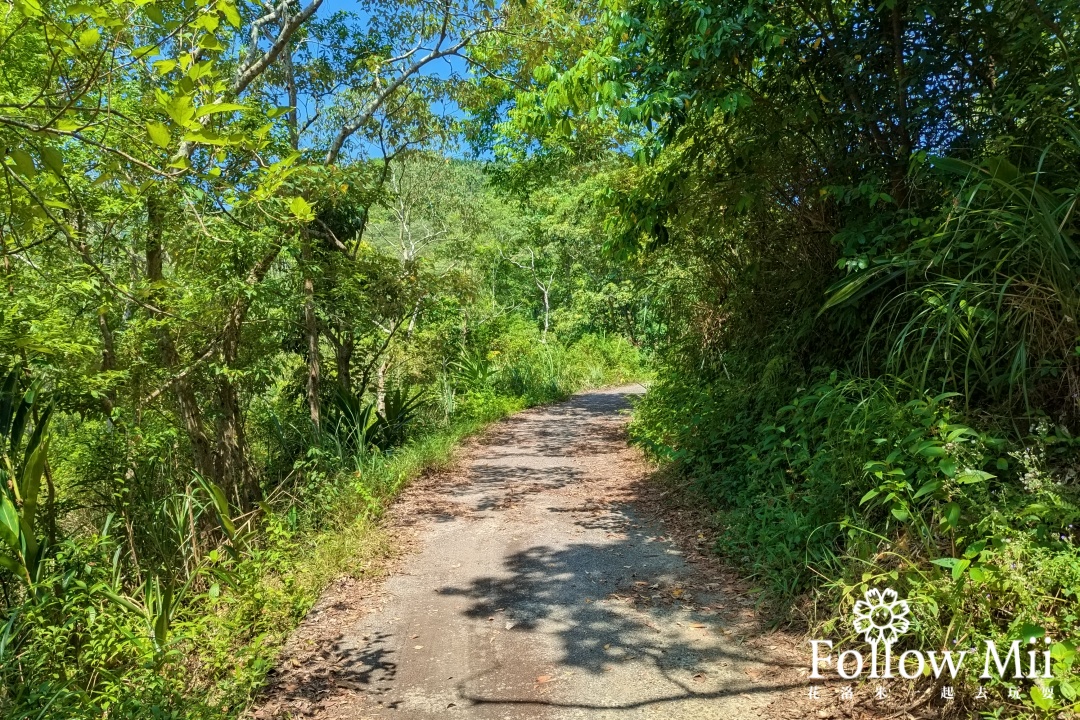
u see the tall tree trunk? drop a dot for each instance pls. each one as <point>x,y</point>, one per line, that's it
<point>547,312</point>
<point>232,468</point>
<point>903,156</point>
<point>190,414</point>
<point>108,363</point>
<point>343,352</point>
<point>413,317</point>
<point>311,331</point>
<point>380,387</point>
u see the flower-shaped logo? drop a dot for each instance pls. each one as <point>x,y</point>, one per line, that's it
<point>881,617</point>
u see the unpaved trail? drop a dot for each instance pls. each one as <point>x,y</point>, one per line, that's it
<point>539,588</point>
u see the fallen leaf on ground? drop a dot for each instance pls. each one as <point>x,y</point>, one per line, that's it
<point>544,679</point>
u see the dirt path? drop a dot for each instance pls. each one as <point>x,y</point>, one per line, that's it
<point>542,585</point>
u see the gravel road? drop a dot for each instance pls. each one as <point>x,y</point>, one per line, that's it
<point>539,588</point>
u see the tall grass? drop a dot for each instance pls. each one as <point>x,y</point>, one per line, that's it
<point>988,304</point>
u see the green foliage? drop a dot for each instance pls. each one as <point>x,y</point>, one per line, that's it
<point>850,487</point>
<point>473,371</point>
<point>22,466</point>
<point>867,285</point>
<point>238,272</point>
<point>984,301</point>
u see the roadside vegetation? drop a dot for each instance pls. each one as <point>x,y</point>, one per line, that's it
<point>862,219</point>
<point>242,308</point>
<point>264,264</point>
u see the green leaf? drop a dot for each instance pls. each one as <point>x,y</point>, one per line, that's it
<point>229,11</point>
<point>164,615</point>
<point>29,8</point>
<point>951,515</point>
<point>211,43</point>
<point>159,134</point>
<point>931,487</point>
<point>1062,651</point>
<point>948,563</point>
<point>23,163</point>
<point>300,208</point>
<point>218,108</point>
<point>970,477</point>
<point>1029,632</point>
<point>53,159</point>
<point>207,137</point>
<point>179,109</point>
<point>221,505</point>
<point>948,466</point>
<point>974,549</point>
<point>154,13</point>
<point>16,568</point>
<point>123,601</point>
<point>9,521</point>
<point>30,485</point>
<point>1042,701</point>
<point>88,38</point>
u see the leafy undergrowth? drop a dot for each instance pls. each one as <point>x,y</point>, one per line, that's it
<point>196,638</point>
<point>853,486</point>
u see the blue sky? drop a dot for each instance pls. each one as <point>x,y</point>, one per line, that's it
<point>443,67</point>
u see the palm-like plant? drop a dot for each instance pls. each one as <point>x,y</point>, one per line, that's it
<point>400,407</point>
<point>23,449</point>
<point>474,371</point>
